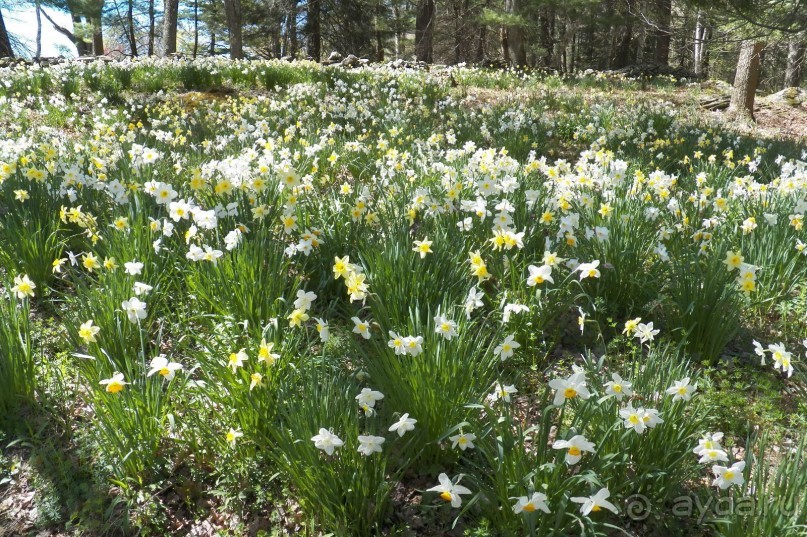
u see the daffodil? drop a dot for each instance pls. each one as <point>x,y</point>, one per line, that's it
<point>595,503</point>
<point>135,309</point>
<point>445,327</point>
<point>733,260</point>
<point>367,399</point>
<point>589,270</point>
<point>361,327</point>
<point>574,447</point>
<point>423,247</point>
<point>450,491</point>
<point>539,275</point>
<point>682,389</point>
<point>87,332</point>
<point>160,364</point>
<point>404,424</point>
<point>322,329</point>
<point>233,436</point>
<point>618,388</point>
<point>370,444</point>
<point>297,318</point>
<point>536,502</point>
<point>265,353</point>
<point>726,477</point>
<point>327,441</point>
<point>114,384</point>
<point>709,441</point>
<point>463,441</point>
<point>237,359</point>
<point>506,348</point>
<point>23,287</point>
<point>255,381</point>
<point>502,393</point>
<point>569,388</point>
<point>645,332</point>
<point>631,325</point>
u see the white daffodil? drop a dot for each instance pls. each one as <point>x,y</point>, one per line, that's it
<point>403,425</point>
<point>595,503</point>
<point>536,502</point>
<point>682,389</point>
<point>574,447</point>
<point>135,309</point>
<point>726,477</point>
<point>618,388</point>
<point>450,491</point>
<point>569,388</point>
<point>463,441</point>
<point>361,327</point>
<point>539,275</point>
<point>506,348</point>
<point>370,444</point>
<point>326,441</point>
<point>445,327</point>
<point>502,392</point>
<point>161,365</point>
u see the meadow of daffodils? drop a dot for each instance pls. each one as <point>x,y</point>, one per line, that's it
<point>457,302</point>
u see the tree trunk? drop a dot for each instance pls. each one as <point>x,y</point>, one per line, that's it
<point>313,30</point>
<point>152,30</point>
<point>700,45</point>
<point>746,79</point>
<point>546,22</point>
<point>170,16</point>
<point>5,42</point>
<point>232,10</point>
<point>291,29</point>
<point>505,43</point>
<point>515,37</point>
<point>379,36</point>
<point>662,31</point>
<point>641,42</point>
<point>211,50</point>
<point>396,15</point>
<point>97,36</point>
<point>195,28</point>
<point>622,57</point>
<point>458,37</point>
<point>424,31</point>
<point>795,58</point>
<point>38,29</point>
<point>130,21</point>
<point>483,36</point>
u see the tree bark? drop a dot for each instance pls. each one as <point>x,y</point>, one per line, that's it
<point>195,28</point>
<point>170,20</point>
<point>38,8</point>
<point>795,59</point>
<point>313,30</point>
<point>746,79</point>
<point>379,36</point>
<point>291,28</point>
<point>546,21</point>
<point>515,37</point>
<point>622,57</point>
<point>5,42</point>
<point>97,36</point>
<point>662,32</point>
<point>152,30</point>
<point>700,44</point>
<point>131,23</point>
<point>232,10</point>
<point>424,31</point>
